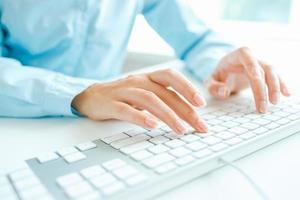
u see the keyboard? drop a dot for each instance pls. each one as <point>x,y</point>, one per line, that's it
<point>141,163</point>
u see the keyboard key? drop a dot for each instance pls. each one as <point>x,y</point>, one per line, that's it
<point>173,135</point>
<point>236,115</point>
<point>179,152</point>
<point>79,189</point>
<point>271,117</point>
<point>226,118</point>
<point>175,143</point>
<point>217,128</point>
<point>74,157</point>
<point>272,125</point>
<point>166,128</point>
<point>20,174</point>
<point>114,138</point>
<point>67,150</point>
<point>136,147</point>
<point>113,164</point>
<point>260,130</point>
<point>33,192</point>
<point>128,141</point>
<point>261,121</point>
<point>26,183</point>
<point>247,136</point>
<point>219,147</point>
<point>155,132</point>
<point>69,179</point>
<point>250,126</point>
<point>94,195</point>
<point>196,146</point>
<point>92,171</point>
<point>136,131</point>
<point>214,122</point>
<point>6,190</point>
<point>184,160</point>
<point>190,138</point>
<point>46,157</point>
<point>225,135</point>
<point>158,160</point>
<point>103,180</point>
<point>233,141</point>
<point>3,180</point>
<point>202,153</point>
<point>283,121</point>
<point>157,149</point>
<point>137,179</point>
<point>114,188</point>
<point>211,140</point>
<point>294,117</point>
<point>125,172</point>
<point>86,146</point>
<point>141,155</point>
<point>159,139</point>
<point>238,130</point>
<point>241,120</point>
<point>208,117</point>
<point>165,168</point>
<point>281,114</point>
<point>253,116</point>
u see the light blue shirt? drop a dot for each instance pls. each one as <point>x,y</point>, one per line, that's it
<point>52,50</point>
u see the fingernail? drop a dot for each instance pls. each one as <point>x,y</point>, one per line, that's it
<point>201,126</point>
<point>263,107</point>
<point>285,90</point>
<point>150,122</point>
<point>223,92</point>
<point>180,128</point>
<point>199,100</point>
<point>275,98</point>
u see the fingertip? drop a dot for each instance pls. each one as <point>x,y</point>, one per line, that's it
<point>286,92</point>
<point>223,92</point>
<point>151,122</point>
<point>199,100</point>
<point>201,126</point>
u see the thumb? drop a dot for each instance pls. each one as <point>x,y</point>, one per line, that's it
<point>219,89</point>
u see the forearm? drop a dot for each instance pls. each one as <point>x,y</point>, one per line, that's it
<point>32,92</point>
<point>193,41</point>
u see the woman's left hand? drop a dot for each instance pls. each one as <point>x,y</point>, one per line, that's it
<point>239,70</point>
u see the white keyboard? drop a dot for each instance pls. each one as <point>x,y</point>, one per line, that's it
<point>129,165</point>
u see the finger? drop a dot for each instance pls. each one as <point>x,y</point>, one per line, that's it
<point>184,110</point>
<point>283,88</point>
<point>256,77</point>
<point>178,82</point>
<point>218,89</point>
<point>149,101</point>
<point>125,112</point>
<point>272,81</point>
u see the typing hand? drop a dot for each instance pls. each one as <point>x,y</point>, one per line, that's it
<point>126,98</point>
<point>239,69</point>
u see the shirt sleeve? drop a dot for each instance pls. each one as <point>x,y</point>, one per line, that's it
<point>27,91</point>
<point>197,45</point>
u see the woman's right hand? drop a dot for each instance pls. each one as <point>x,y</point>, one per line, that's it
<point>126,99</point>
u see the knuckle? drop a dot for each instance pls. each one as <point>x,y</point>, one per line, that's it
<point>244,50</point>
<point>192,114</point>
<point>120,108</point>
<point>134,79</point>
<point>170,72</point>
<point>148,96</point>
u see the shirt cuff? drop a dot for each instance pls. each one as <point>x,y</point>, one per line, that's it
<point>202,64</point>
<point>61,92</point>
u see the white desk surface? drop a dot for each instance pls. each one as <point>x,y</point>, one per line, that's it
<point>275,169</point>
